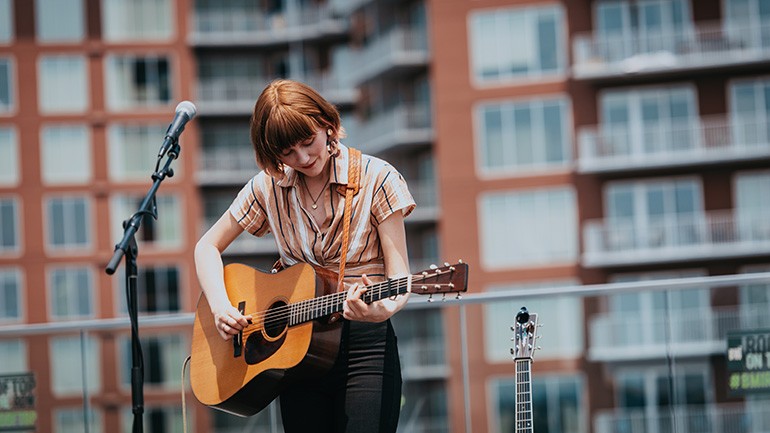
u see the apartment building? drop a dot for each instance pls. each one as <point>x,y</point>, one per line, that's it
<point>588,142</point>
<point>547,144</point>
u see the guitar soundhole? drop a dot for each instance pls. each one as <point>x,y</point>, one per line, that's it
<point>276,319</point>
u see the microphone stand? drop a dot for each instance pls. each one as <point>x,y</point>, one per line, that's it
<point>128,247</point>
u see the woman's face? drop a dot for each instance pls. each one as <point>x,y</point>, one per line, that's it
<point>309,157</point>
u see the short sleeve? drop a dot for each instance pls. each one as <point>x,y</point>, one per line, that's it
<point>249,211</point>
<point>391,194</point>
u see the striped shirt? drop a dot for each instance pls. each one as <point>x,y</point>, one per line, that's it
<point>266,204</point>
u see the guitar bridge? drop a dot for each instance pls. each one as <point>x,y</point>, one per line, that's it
<point>238,339</point>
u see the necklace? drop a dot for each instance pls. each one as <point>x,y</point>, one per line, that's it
<point>318,197</point>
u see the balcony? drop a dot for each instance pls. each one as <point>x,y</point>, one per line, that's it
<point>725,418</point>
<point>398,51</point>
<point>346,7</point>
<point>231,165</point>
<point>693,332</point>
<point>702,46</point>
<point>246,243</point>
<point>403,126</point>
<point>671,238</point>
<point>423,360</point>
<point>708,140</point>
<point>253,27</point>
<point>425,196</point>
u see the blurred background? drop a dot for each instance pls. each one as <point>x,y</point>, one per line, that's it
<point>603,163</point>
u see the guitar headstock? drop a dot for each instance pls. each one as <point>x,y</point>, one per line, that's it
<point>525,335</point>
<point>441,280</point>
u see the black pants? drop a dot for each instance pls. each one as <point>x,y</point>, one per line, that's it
<point>361,393</point>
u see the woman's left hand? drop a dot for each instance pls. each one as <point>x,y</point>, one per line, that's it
<point>354,308</point>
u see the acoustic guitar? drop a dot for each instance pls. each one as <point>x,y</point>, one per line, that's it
<point>294,333</point>
<point>524,338</point>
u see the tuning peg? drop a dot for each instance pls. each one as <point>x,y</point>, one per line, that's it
<point>446,264</point>
<point>430,298</point>
<point>460,261</point>
<point>458,296</point>
<point>432,267</point>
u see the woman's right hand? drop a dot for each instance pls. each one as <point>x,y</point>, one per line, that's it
<point>229,321</point>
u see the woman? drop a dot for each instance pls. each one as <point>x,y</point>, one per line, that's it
<point>295,133</point>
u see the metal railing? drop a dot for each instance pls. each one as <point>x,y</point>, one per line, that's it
<point>710,139</point>
<point>710,417</point>
<point>724,233</point>
<point>695,46</point>
<point>399,47</point>
<point>403,125</point>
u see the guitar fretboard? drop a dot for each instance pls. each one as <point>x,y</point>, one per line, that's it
<point>523,396</point>
<point>315,308</point>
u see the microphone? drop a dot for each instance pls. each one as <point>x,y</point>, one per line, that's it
<point>185,111</point>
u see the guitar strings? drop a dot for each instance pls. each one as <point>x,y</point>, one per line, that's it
<point>279,314</point>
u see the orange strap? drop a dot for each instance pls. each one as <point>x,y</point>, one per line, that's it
<point>354,174</point>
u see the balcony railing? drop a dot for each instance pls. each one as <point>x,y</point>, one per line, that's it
<point>423,360</point>
<point>404,125</point>
<point>227,165</point>
<point>700,46</point>
<point>400,48</point>
<point>229,95</point>
<point>253,26</point>
<point>707,235</point>
<point>674,143</point>
<point>694,419</point>
<point>246,243</point>
<point>702,332</point>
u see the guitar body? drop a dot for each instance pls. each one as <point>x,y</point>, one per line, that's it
<point>245,380</point>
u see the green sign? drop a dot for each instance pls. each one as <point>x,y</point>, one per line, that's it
<point>748,362</point>
<point>17,402</point>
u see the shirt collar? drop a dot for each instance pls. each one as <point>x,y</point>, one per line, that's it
<point>339,174</point>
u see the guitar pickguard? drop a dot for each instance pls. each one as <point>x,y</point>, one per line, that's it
<point>258,348</point>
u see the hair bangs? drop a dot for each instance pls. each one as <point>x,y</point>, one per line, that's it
<point>286,127</point>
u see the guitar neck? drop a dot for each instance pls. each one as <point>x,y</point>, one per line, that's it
<point>523,396</point>
<point>315,308</point>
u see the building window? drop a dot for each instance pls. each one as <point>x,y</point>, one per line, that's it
<point>133,151</point>
<point>755,301</point>
<point>157,290</point>
<point>166,231</point>
<point>528,228</point>
<point>646,319</point>
<point>9,157</point>
<point>6,86</point>
<point>70,293</point>
<point>654,213</point>
<point>14,356</point>
<point>650,121</point>
<point>63,84</point>
<point>645,398</point>
<point>69,222</point>
<point>59,20</point>
<point>9,226</point>
<point>157,419</point>
<point>752,206</point>
<point>516,44</point>
<point>746,19</point>
<point>524,135</point>
<point>557,404</point>
<point>562,317</point>
<point>137,20</point>
<point>627,28</point>
<point>163,355</point>
<point>6,21</point>
<point>10,295</point>
<point>71,420</point>
<point>65,152</point>
<point>749,112</point>
<point>67,372</point>
<point>136,82</point>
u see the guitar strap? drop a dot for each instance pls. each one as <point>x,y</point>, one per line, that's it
<point>351,189</point>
